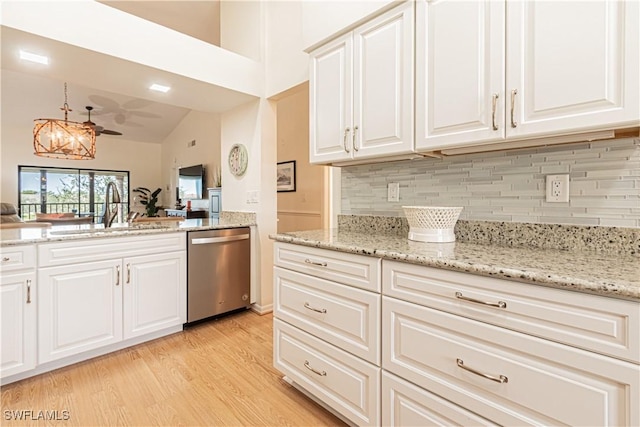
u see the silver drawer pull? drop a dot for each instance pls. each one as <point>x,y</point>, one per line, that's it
<point>28,291</point>
<point>315,371</point>
<point>5,259</point>
<point>499,304</point>
<point>321,264</point>
<point>319,310</point>
<point>117,275</point>
<point>500,379</point>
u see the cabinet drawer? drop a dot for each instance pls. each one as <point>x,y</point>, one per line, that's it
<point>404,404</point>
<point>604,325</point>
<point>344,316</point>
<point>543,383</point>
<point>86,250</point>
<point>17,258</point>
<point>344,382</point>
<point>355,270</point>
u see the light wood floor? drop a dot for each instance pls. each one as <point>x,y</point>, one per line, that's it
<point>217,373</point>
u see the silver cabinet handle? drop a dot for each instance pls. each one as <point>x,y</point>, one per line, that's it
<point>344,140</point>
<point>117,275</point>
<point>128,273</point>
<point>321,264</point>
<point>513,106</point>
<point>28,291</point>
<point>315,371</point>
<point>499,304</point>
<point>499,379</point>
<point>494,104</point>
<point>319,310</point>
<point>5,259</point>
<point>355,145</point>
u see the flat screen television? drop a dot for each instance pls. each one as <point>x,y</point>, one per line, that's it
<point>191,182</point>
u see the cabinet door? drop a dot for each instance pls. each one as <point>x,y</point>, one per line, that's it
<point>155,293</point>
<point>331,102</point>
<point>459,73</point>
<point>79,309</point>
<point>383,85</point>
<point>17,323</point>
<point>573,64</point>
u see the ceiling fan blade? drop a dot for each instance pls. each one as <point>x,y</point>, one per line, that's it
<point>110,132</point>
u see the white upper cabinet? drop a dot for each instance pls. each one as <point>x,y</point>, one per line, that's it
<point>460,75</point>
<point>361,91</point>
<point>549,68</point>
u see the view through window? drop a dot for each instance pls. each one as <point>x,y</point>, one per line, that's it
<point>64,190</point>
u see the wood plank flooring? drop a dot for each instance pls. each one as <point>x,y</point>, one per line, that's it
<point>218,373</point>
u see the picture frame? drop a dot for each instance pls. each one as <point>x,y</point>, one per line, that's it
<point>286,176</point>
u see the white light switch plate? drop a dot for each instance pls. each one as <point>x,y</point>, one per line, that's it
<point>393,192</point>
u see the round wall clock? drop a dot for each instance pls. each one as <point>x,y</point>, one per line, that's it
<point>238,159</point>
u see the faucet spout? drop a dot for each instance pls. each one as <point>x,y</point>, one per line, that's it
<point>108,216</point>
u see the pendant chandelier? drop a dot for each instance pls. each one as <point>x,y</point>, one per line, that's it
<point>64,139</point>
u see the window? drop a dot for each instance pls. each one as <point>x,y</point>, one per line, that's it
<point>61,190</point>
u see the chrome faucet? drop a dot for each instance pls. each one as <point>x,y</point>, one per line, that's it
<point>107,216</point>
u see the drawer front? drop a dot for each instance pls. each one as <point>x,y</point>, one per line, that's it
<point>86,250</point>
<point>536,382</point>
<point>15,258</point>
<point>342,315</point>
<point>604,325</point>
<point>404,404</point>
<point>344,382</point>
<point>354,270</point>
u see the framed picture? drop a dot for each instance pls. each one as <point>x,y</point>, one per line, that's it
<point>286,176</point>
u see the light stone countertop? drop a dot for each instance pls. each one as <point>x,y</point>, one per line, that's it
<point>56,233</point>
<point>610,275</point>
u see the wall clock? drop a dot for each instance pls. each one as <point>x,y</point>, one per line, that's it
<point>238,159</point>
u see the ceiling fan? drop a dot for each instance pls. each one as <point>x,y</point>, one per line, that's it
<point>97,128</point>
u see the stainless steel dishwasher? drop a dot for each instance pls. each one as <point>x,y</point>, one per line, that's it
<point>218,272</point>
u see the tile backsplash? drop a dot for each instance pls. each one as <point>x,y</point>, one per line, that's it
<point>509,185</point>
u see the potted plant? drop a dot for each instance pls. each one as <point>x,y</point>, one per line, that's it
<point>148,199</point>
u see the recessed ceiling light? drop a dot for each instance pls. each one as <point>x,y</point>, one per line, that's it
<point>159,88</point>
<point>28,56</point>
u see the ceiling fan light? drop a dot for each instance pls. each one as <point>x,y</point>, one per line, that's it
<point>159,88</point>
<point>64,139</point>
<point>34,57</point>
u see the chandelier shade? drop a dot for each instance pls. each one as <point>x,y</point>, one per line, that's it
<point>64,139</point>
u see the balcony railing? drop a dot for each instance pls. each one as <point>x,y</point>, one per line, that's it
<point>28,211</point>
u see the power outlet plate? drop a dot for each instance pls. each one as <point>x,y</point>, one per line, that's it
<point>393,192</point>
<point>558,188</point>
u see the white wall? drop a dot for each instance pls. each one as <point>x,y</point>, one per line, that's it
<point>204,128</point>
<point>287,65</point>
<point>141,159</point>
<point>241,27</point>
<point>254,126</point>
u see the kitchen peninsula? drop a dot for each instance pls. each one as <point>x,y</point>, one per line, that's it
<point>70,293</point>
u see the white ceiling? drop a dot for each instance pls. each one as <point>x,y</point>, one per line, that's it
<point>121,100</point>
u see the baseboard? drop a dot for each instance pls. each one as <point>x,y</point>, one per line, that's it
<point>262,309</point>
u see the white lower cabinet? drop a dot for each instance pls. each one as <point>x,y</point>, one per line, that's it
<point>96,293</point>
<point>404,404</point>
<point>346,383</point>
<point>326,329</point>
<point>155,293</point>
<point>80,308</point>
<point>17,322</point>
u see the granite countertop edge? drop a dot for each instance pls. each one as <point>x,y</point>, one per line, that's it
<point>551,278</point>
<point>18,237</point>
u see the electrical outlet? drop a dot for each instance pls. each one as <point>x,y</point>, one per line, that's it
<point>558,188</point>
<point>393,192</point>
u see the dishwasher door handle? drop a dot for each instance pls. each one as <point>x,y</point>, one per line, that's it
<point>207,240</point>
